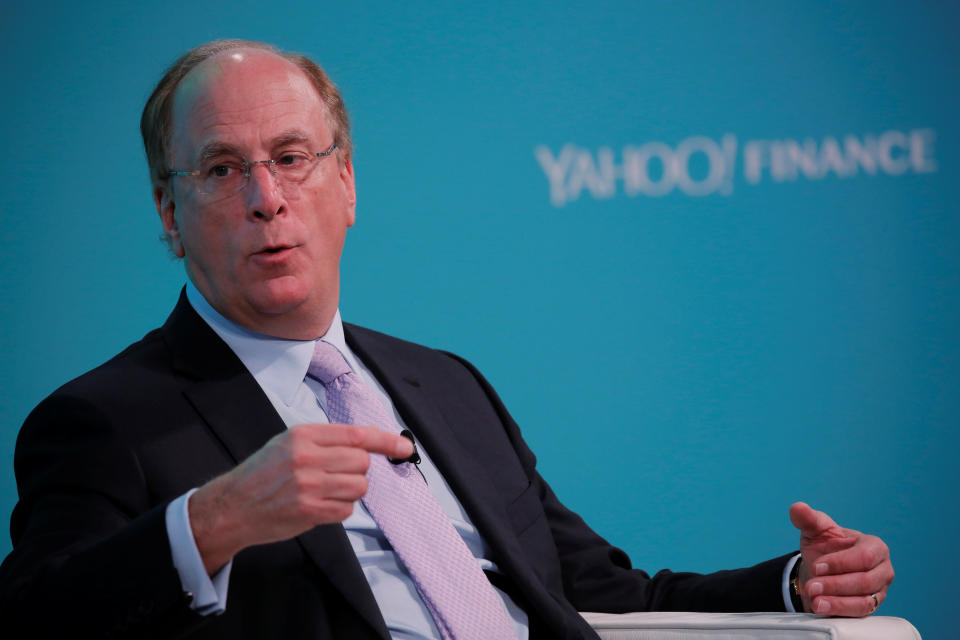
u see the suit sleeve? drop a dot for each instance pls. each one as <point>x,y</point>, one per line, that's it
<point>91,554</point>
<point>597,576</point>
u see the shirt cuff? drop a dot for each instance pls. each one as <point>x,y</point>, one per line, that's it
<point>209,594</point>
<point>787,600</point>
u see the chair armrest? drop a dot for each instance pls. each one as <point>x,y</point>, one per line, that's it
<point>668,625</point>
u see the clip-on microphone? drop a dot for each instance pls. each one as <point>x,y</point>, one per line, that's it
<point>413,457</point>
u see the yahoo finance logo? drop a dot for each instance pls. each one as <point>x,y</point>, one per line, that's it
<point>703,166</point>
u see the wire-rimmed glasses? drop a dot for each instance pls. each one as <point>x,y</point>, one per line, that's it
<point>221,177</point>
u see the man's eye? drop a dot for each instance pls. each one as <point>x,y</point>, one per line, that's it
<point>291,160</point>
<point>220,171</point>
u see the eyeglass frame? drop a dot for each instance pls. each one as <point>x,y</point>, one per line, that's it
<point>247,165</point>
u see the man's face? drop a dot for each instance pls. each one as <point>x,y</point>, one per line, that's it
<point>268,256</point>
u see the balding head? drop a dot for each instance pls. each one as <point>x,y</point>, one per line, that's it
<point>156,121</point>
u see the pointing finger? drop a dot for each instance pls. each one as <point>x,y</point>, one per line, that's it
<point>392,445</point>
<point>366,437</point>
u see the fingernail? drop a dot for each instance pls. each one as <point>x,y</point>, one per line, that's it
<point>815,588</point>
<point>404,449</point>
<point>821,568</point>
<point>823,607</point>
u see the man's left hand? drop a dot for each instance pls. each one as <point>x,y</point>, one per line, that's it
<point>844,572</point>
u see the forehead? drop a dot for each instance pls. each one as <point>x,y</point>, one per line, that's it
<point>245,98</point>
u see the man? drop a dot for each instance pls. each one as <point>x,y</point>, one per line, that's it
<point>205,482</point>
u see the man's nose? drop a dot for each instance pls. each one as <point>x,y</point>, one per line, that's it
<point>264,194</point>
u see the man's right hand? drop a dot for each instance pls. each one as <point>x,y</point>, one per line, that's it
<point>310,474</point>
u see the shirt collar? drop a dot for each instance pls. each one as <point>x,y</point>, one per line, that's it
<point>278,365</point>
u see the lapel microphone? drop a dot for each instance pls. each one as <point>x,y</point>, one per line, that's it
<point>413,457</point>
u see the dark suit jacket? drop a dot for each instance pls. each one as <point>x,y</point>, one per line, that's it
<point>98,461</point>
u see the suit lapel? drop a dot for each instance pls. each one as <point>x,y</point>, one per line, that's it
<point>241,416</point>
<point>222,390</point>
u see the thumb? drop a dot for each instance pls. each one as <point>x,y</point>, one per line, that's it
<point>811,522</point>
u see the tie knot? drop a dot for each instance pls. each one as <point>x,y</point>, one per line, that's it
<point>327,363</point>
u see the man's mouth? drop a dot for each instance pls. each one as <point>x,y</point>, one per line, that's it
<point>274,254</point>
<point>275,249</point>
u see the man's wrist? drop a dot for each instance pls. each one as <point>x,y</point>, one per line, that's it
<point>206,594</point>
<point>213,537</point>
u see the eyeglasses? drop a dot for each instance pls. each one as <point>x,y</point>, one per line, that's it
<point>219,178</point>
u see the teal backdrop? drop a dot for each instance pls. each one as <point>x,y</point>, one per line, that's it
<point>708,252</point>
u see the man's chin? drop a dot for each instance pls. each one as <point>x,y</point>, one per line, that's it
<point>278,299</point>
<point>288,308</point>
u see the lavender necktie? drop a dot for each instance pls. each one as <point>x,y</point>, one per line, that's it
<point>448,577</point>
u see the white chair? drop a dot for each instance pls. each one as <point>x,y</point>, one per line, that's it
<point>747,626</point>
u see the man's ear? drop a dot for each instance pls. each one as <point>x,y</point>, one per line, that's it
<point>350,190</point>
<point>166,207</point>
